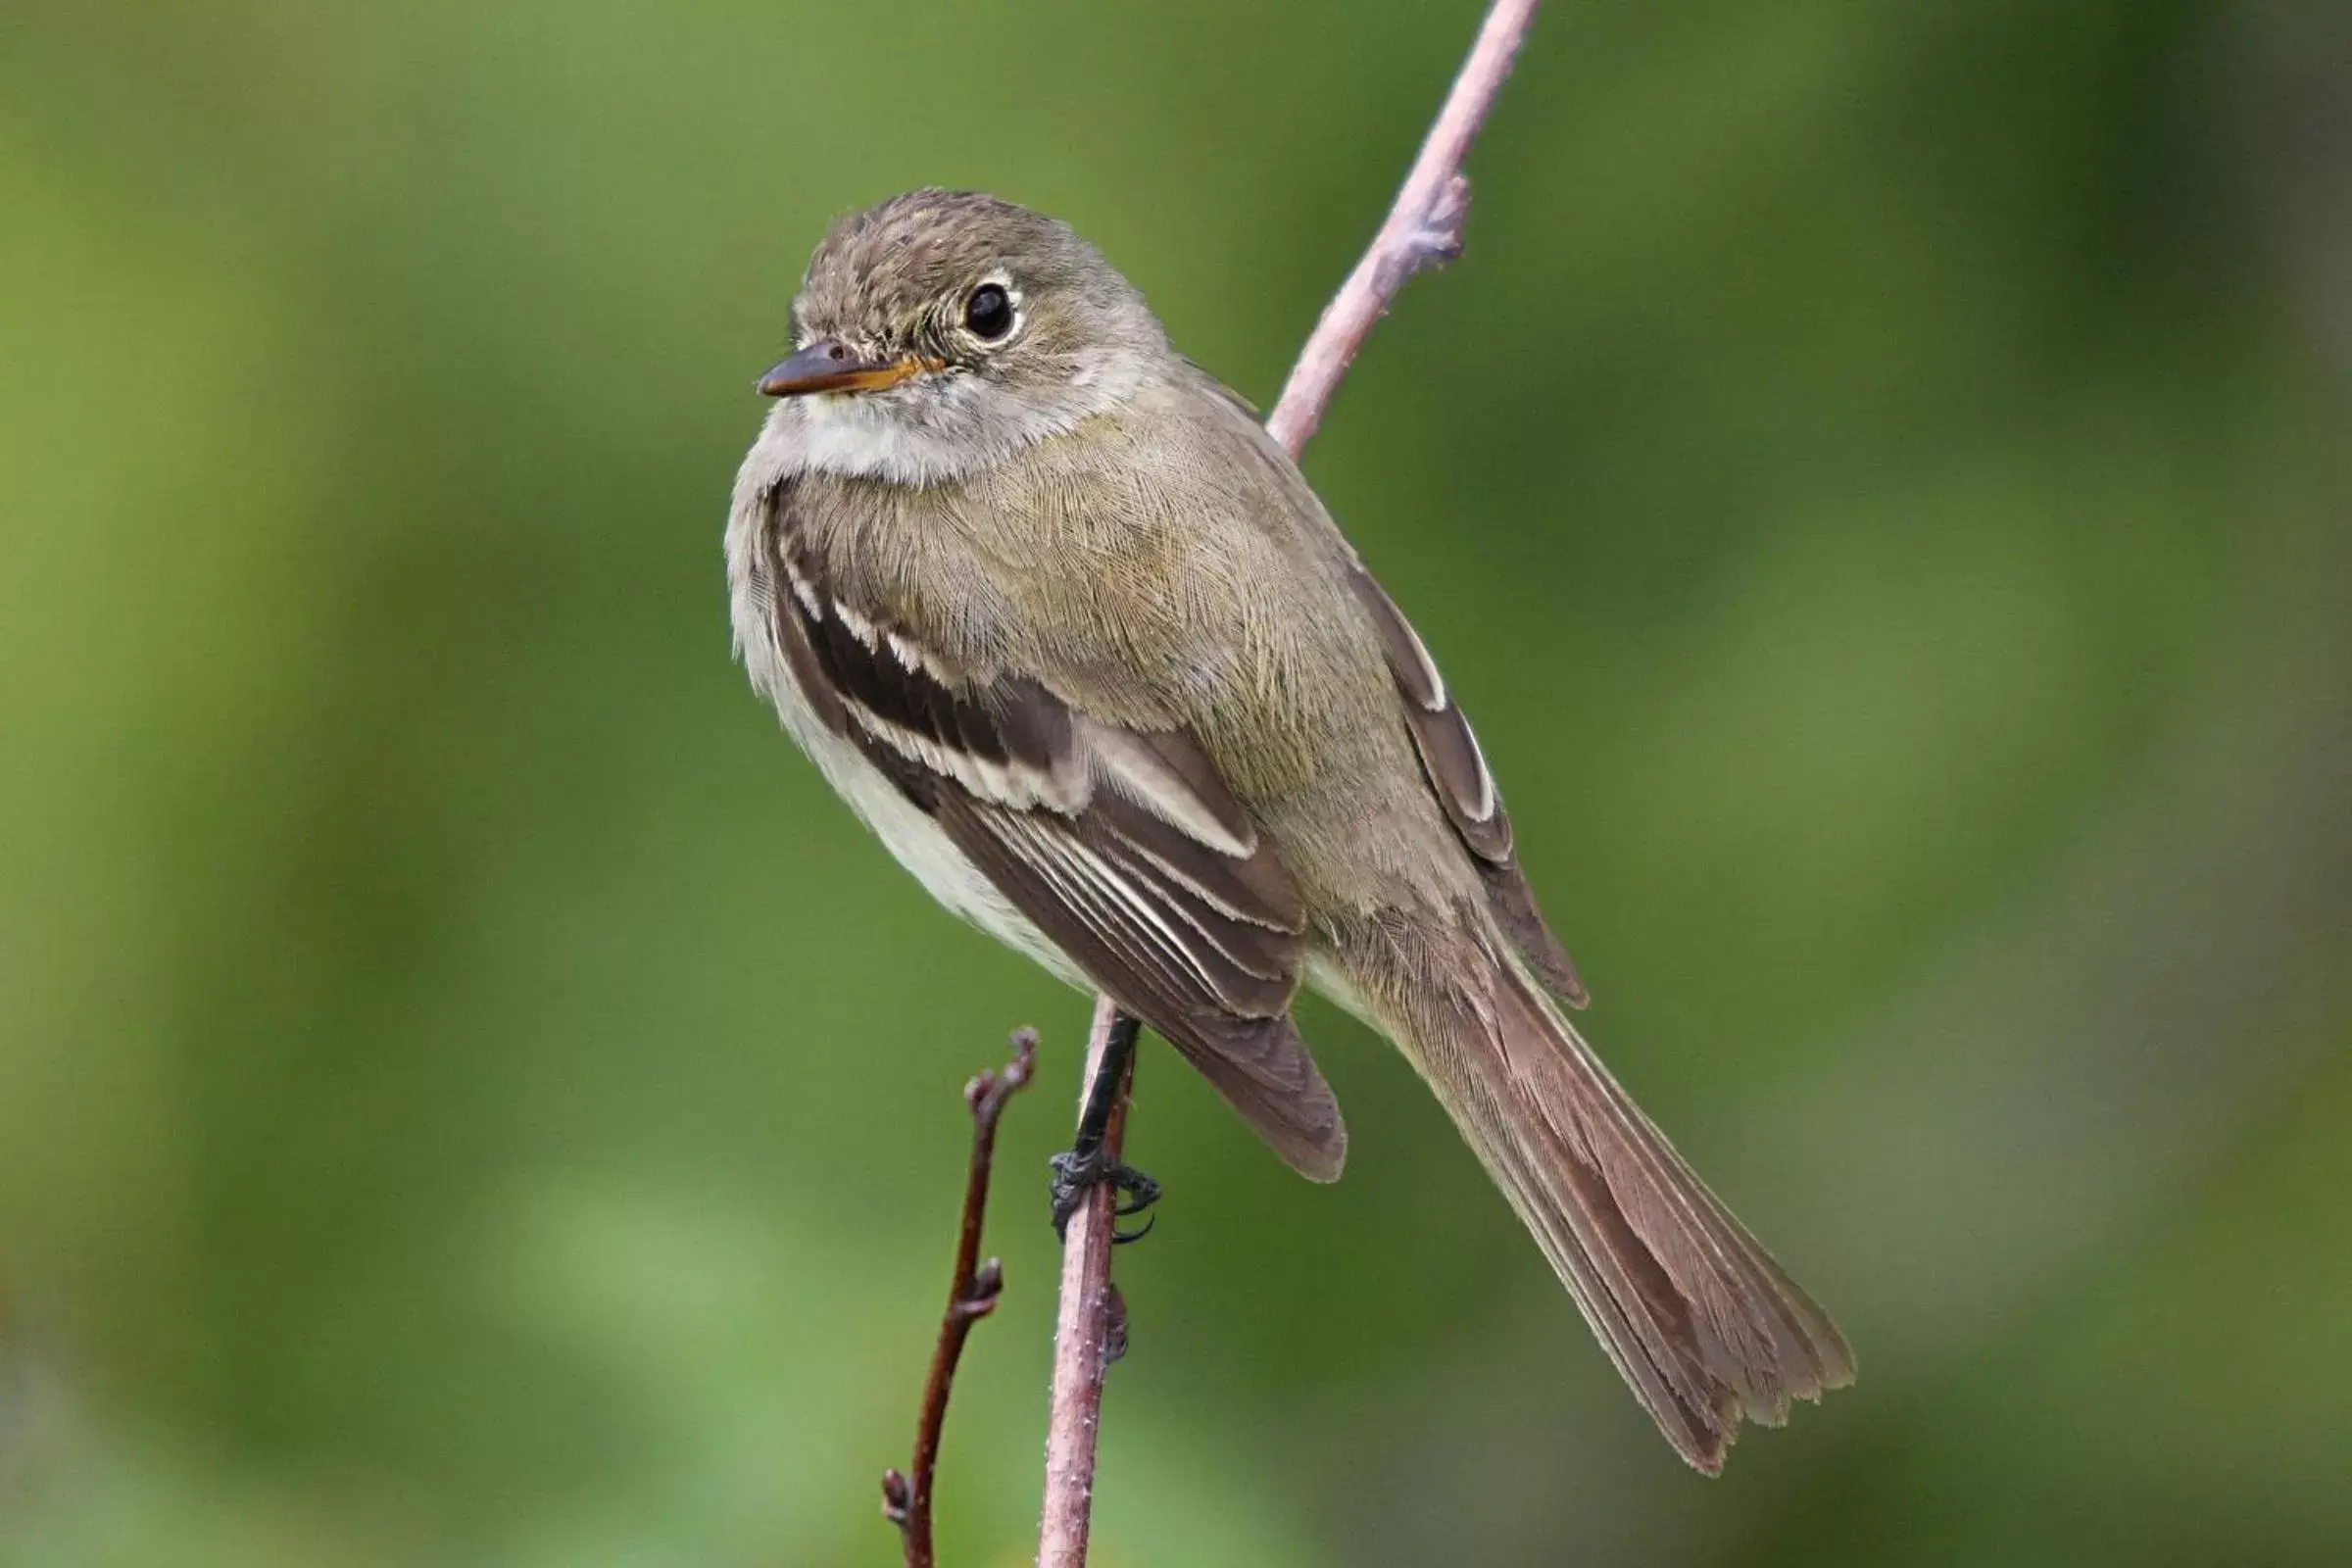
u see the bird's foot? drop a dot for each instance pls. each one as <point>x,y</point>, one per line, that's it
<point>1077,1173</point>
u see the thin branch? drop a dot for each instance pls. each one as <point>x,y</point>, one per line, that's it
<point>1423,229</point>
<point>906,1502</point>
<point>1089,1332</point>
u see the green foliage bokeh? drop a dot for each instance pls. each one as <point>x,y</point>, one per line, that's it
<point>468,1095</point>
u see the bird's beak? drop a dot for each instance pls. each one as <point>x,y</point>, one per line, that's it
<point>826,365</point>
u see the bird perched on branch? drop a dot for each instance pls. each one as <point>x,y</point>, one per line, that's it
<point>1069,629</point>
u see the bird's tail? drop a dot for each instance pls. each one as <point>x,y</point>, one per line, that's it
<point>1702,1324</point>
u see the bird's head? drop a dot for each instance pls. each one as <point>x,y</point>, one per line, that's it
<point>943,330</point>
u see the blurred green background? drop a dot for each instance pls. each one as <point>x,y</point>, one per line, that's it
<point>468,1096</point>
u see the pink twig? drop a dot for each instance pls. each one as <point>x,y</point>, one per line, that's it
<point>1424,229</point>
<point>1088,1334</point>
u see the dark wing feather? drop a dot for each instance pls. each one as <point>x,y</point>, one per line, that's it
<point>1465,787</point>
<point>1144,950</point>
<point>1123,847</point>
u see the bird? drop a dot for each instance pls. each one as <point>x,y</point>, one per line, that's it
<point>1055,616</point>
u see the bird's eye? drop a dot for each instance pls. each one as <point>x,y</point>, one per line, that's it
<point>989,312</point>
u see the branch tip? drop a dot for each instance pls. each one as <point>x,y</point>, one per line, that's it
<point>971,1296</point>
<point>1423,228</point>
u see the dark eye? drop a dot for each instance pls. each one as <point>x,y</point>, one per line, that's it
<point>989,312</point>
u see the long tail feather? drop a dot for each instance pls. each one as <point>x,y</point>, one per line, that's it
<point>1703,1325</point>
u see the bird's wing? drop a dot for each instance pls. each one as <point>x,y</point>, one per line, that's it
<point>1122,845</point>
<point>1452,763</point>
<point>1458,775</point>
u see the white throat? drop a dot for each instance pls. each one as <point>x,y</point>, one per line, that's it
<point>939,428</point>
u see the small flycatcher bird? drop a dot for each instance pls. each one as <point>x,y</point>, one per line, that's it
<point>1069,629</point>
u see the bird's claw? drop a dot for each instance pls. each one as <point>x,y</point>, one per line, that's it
<point>1076,1174</point>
